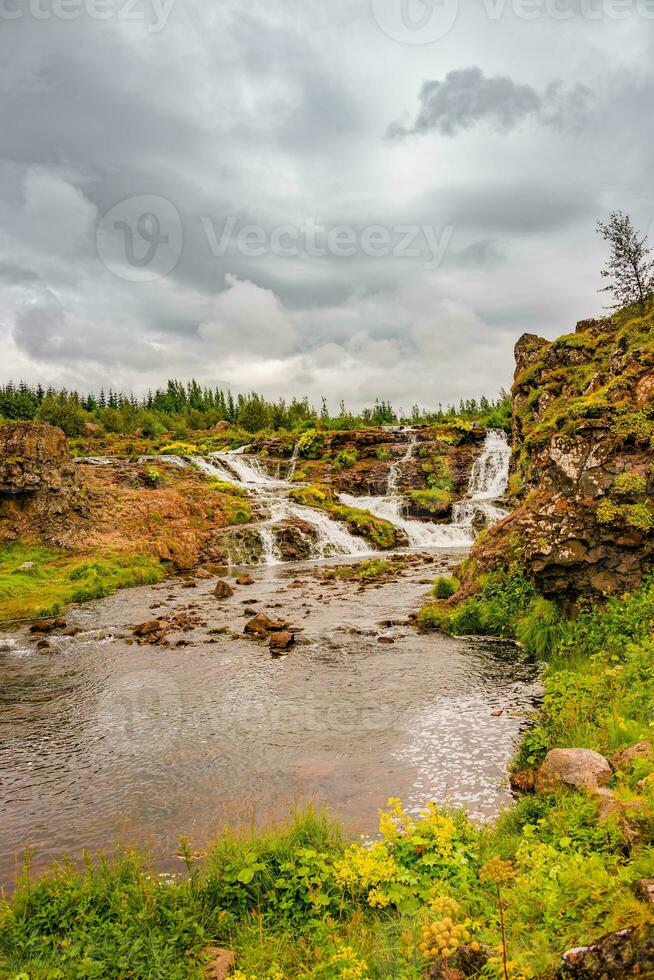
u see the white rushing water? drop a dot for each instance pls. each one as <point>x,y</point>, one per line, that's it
<point>331,538</point>
<point>488,482</point>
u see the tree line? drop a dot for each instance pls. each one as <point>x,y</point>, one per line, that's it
<point>180,407</point>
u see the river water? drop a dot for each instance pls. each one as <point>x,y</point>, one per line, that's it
<point>104,740</point>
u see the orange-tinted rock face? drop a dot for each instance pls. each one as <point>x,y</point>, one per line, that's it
<point>34,457</point>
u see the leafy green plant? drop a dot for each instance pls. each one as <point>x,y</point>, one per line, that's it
<point>444,587</point>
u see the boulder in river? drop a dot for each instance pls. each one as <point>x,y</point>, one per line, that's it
<point>263,625</point>
<point>578,768</point>
<point>281,640</point>
<point>223,589</point>
<point>245,580</point>
<point>149,628</point>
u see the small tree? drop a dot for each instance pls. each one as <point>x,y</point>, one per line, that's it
<point>629,265</point>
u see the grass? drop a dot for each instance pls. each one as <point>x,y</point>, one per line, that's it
<point>51,579</point>
<point>506,605</point>
<point>300,900</point>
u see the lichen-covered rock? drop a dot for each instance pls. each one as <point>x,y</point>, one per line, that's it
<point>627,953</point>
<point>578,768</point>
<point>624,759</point>
<point>582,480</point>
<point>34,458</point>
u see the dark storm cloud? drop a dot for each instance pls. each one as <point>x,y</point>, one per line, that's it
<point>467,97</point>
<point>271,112</point>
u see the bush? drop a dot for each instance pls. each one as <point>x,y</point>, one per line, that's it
<point>345,459</point>
<point>311,444</point>
<point>445,587</point>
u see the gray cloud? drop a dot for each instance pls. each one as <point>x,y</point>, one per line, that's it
<point>468,97</point>
<point>272,111</point>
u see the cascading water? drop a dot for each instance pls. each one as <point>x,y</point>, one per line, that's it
<point>488,481</point>
<point>331,537</point>
<point>293,462</point>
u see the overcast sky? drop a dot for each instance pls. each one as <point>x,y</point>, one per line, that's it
<point>349,198</point>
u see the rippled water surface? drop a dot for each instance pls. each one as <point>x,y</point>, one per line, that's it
<point>104,739</point>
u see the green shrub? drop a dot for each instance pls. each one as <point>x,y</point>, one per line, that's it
<point>311,444</point>
<point>445,587</point>
<point>345,459</point>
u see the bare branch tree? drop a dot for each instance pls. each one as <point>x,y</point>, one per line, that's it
<point>629,265</point>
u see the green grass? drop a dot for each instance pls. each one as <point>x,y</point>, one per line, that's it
<point>58,578</point>
<point>506,605</point>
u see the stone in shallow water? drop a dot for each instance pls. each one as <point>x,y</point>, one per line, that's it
<point>281,640</point>
<point>223,590</point>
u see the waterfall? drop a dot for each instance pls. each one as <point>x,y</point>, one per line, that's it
<point>293,462</point>
<point>488,481</point>
<point>332,538</point>
<point>395,469</point>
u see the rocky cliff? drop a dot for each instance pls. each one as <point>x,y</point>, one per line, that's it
<point>582,470</point>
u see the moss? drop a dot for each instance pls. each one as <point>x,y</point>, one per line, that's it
<point>639,516</point>
<point>432,500</point>
<point>629,484</point>
<point>607,512</point>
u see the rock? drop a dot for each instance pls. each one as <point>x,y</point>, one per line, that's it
<point>644,890</point>
<point>202,573</point>
<point>627,953</point>
<point>245,580</point>
<point>223,589</point>
<point>624,759</point>
<point>578,768</point>
<point>263,625</point>
<point>48,625</point>
<point>26,566</point>
<point>189,583</point>
<point>281,640</point>
<point>44,645</point>
<point>34,457</point>
<point>219,963</point>
<point>385,639</point>
<point>523,781</point>
<point>609,807</point>
<point>148,628</point>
